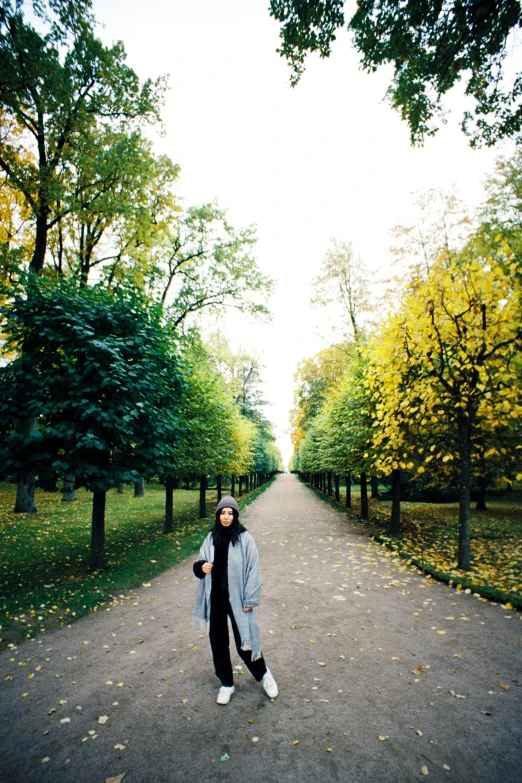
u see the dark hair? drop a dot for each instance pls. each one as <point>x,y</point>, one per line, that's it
<point>231,533</point>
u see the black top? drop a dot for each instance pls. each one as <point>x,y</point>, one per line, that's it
<point>220,566</point>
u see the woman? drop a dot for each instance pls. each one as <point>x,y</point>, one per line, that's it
<point>230,586</point>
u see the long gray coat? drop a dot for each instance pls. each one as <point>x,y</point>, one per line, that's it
<point>244,588</point>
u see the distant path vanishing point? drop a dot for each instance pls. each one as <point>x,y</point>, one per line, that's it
<point>384,676</point>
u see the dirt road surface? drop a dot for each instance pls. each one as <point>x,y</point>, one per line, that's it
<point>384,676</point>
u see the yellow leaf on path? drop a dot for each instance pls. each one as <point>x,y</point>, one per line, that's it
<point>103,719</point>
<point>119,746</point>
<point>441,633</point>
<point>250,720</point>
<point>425,770</point>
<point>504,686</point>
<point>117,779</point>
<point>255,739</point>
<point>321,663</point>
<point>24,695</point>
<point>383,737</point>
<point>295,742</point>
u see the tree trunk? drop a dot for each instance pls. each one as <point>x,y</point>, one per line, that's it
<point>169,504</point>
<point>139,488</point>
<point>219,488</point>
<point>464,559</point>
<point>24,503</point>
<point>375,487</point>
<point>233,486</point>
<point>68,489</point>
<point>481,485</point>
<point>364,496</point>
<point>396,503</point>
<point>240,486</point>
<point>40,244</point>
<point>329,484</point>
<point>202,497</point>
<point>348,482</point>
<point>119,488</point>
<point>336,483</point>
<point>98,530</point>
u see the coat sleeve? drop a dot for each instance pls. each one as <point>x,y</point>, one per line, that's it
<point>252,592</point>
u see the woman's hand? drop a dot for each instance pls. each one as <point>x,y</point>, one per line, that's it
<point>247,608</point>
<point>206,568</point>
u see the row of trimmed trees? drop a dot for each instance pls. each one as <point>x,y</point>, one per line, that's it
<point>104,378</point>
<point>432,394</point>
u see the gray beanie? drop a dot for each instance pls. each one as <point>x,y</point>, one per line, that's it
<point>227,502</point>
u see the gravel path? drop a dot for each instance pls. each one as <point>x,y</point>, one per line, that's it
<point>384,676</point>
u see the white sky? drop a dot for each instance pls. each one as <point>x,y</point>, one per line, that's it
<point>326,159</point>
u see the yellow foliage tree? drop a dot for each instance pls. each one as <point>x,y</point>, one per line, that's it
<point>445,370</point>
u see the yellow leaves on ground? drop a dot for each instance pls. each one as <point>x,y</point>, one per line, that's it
<point>496,542</point>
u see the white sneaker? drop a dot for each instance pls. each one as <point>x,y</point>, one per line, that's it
<point>270,685</point>
<point>225,692</point>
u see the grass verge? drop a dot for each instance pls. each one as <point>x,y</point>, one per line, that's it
<point>45,579</point>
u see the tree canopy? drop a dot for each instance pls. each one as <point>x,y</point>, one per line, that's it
<point>431,45</point>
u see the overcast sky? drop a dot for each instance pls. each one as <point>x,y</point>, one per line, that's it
<point>328,158</point>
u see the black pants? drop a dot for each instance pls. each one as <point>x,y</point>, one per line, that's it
<point>220,610</point>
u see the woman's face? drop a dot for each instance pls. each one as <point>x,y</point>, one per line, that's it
<point>226,517</point>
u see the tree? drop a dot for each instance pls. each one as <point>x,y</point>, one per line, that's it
<point>201,261</point>
<point>240,369</point>
<point>314,377</point>
<point>445,370</point>
<point>60,86</point>
<point>431,45</point>
<point>343,280</point>
<point>99,373</point>
<point>57,86</point>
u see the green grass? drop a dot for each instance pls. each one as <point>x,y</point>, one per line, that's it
<point>45,580</point>
<point>429,538</point>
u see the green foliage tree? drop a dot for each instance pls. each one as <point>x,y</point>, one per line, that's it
<point>58,85</point>
<point>431,46</point>
<point>99,374</point>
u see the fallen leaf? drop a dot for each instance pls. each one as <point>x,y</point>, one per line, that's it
<point>119,746</point>
<point>441,633</point>
<point>117,779</point>
<point>425,770</point>
<point>295,742</point>
<point>457,695</point>
<point>504,686</point>
<point>250,720</point>
<point>65,720</point>
<point>329,750</point>
<point>45,760</point>
<point>321,663</point>
<point>255,739</point>
<point>225,757</point>
<point>383,737</point>
<point>103,719</point>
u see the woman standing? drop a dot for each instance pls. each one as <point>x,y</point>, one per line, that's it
<point>230,586</point>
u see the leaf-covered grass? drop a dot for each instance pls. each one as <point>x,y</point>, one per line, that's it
<point>45,580</point>
<point>429,538</point>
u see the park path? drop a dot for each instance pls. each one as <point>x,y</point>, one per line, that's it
<point>384,676</point>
